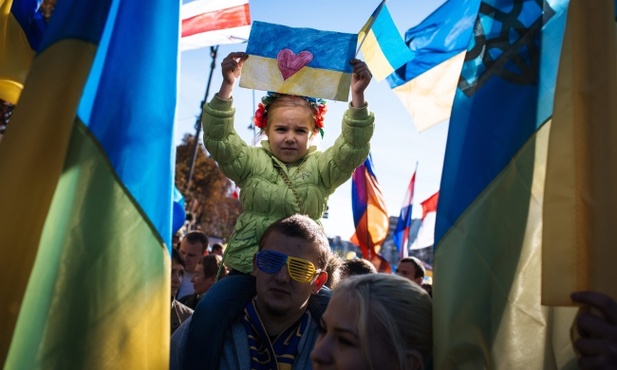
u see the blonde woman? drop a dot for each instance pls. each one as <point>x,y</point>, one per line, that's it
<point>375,321</point>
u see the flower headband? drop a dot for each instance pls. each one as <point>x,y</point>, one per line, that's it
<point>317,106</point>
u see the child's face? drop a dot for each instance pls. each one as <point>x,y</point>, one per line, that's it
<point>290,132</point>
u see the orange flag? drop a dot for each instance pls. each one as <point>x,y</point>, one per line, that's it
<point>370,215</point>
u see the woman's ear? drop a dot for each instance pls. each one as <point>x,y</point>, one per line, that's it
<point>319,282</point>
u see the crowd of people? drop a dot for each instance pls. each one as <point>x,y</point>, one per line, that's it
<point>288,301</point>
<point>277,326</point>
<point>366,320</point>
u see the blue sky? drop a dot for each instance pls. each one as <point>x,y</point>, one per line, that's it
<point>396,146</point>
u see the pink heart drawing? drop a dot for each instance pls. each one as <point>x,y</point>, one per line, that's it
<point>290,63</point>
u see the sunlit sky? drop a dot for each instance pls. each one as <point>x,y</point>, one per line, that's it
<point>396,146</point>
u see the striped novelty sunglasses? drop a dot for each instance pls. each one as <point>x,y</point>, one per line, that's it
<point>299,269</point>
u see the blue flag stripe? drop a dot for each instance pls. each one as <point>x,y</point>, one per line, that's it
<point>495,110</point>
<point>119,76</point>
<point>442,35</point>
<point>329,48</point>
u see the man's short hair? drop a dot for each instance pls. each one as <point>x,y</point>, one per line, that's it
<point>217,246</point>
<point>301,226</point>
<point>198,237</point>
<point>419,266</point>
<point>357,266</point>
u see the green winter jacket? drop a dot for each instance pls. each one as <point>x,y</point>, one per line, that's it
<point>265,196</point>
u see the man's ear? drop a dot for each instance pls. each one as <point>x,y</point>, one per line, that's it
<point>319,282</point>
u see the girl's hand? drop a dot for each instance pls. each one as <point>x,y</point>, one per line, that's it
<point>231,68</point>
<point>361,76</point>
<point>360,80</point>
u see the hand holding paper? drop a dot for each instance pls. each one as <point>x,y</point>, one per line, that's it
<point>231,67</point>
<point>299,61</point>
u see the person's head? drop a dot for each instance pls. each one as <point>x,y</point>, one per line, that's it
<point>375,321</point>
<point>290,266</point>
<point>357,266</point>
<point>175,240</point>
<point>290,122</point>
<point>177,271</point>
<point>334,270</point>
<point>217,248</point>
<point>429,288</point>
<point>192,247</point>
<point>205,273</point>
<point>412,269</point>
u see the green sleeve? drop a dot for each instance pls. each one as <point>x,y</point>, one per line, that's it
<point>350,149</point>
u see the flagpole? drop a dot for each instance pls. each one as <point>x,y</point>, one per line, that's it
<point>213,52</point>
<point>407,240</point>
<point>379,7</point>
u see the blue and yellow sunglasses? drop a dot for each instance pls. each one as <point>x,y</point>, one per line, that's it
<point>299,269</point>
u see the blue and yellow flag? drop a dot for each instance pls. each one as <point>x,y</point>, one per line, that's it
<point>488,312</point>
<point>21,30</point>
<point>86,209</point>
<point>426,85</point>
<point>299,61</point>
<point>382,45</point>
<point>580,202</point>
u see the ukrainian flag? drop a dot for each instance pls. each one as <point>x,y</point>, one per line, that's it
<point>382,45</point>
<point>86,192</point>
<point>426,85</point>
<point>299,61</point>
<point>580,203</point>
<point>21,31</point>
<point>488,256</point>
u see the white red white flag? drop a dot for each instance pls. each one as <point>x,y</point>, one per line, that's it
<point>426,234</point>
<point>214,22</point>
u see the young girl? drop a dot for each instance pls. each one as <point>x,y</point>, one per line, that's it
<point>286,175</point>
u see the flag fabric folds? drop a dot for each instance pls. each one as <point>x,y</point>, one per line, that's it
<point>489,219</point>
<point>178,211</point>
<point>382,45</point>
<point>214,22</point>
<point>299,61</point>
<point>401,232</point>
<point>89,198</point>
<point>430,205</point>
<point>580,204</point>
<point>426,234</point>
<point>370,215</point>
<point>21,29</point>
<point>426,85</point>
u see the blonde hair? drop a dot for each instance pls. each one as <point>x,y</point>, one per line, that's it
<point>293,101</point>
<point>396,310</point>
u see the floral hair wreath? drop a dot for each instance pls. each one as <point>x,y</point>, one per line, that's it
<point>318,107</point>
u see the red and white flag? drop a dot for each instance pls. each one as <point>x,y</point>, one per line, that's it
<point>214,22</point>
<point>426,234</point>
